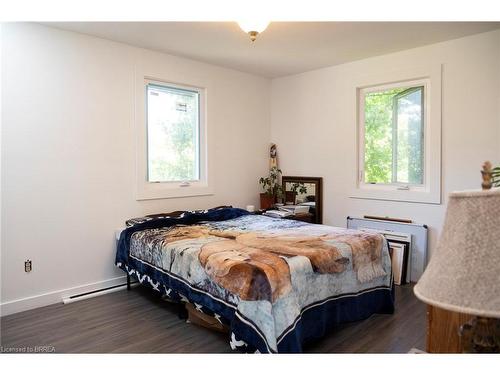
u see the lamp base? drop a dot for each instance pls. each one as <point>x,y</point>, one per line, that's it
<point>481,335</point>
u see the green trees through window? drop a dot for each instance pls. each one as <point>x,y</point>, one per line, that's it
<point>173,134</point>
<point>393,135</point>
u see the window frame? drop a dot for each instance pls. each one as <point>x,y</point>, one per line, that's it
<point>430,190</point>
<point>361,124</point>
<point>395,129</point>
<point>145,189</point>
<point>200,130</point>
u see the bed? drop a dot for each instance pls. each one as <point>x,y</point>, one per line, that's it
<point>276,284</point>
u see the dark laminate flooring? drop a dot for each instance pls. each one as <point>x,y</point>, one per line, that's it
<point>139,322</point>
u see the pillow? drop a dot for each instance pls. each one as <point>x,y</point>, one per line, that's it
<point>143,219</point>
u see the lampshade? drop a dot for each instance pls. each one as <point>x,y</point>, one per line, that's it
<point>464,273</point>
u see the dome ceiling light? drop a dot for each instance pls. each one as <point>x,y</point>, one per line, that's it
<point>253,28</point>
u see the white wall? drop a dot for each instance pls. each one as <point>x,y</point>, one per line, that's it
<point>68,163</point>
<point>312,124</point>
<point>68,155</point>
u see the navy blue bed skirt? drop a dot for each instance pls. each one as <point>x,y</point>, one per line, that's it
<point>315,321</point>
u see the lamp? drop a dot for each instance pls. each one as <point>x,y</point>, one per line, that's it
<point>253,28</point>
<point>464,272</point>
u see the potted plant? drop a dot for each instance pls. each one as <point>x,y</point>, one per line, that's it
<point>272,188</point>
<point>297,187</point>
<point>495,175</point>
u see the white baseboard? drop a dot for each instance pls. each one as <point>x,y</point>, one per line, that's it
<point>28,303</point>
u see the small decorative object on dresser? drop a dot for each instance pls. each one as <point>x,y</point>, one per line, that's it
<point>462,279</point>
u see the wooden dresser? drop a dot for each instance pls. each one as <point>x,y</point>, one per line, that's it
<point>442,330</point>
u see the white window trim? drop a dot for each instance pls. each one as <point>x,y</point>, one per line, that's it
<point>361,149</point>
<point>146,190</point>
<point>430,191</point>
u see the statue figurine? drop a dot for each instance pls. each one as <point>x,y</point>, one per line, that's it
<point>273,157</point>
<point>487,176</point>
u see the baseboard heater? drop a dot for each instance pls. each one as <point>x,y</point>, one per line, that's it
<point>97,293</point>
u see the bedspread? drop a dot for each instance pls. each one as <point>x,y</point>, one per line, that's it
<point>266,271</point>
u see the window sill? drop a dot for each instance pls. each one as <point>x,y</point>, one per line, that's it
<point>150,191</point>
<point>393,194</point>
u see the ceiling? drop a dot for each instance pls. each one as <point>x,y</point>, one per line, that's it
<point>284,48</point>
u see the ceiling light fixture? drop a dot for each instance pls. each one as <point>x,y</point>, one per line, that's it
<point>253,28</point>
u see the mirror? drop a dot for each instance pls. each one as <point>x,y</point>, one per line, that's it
<point>305,191</point>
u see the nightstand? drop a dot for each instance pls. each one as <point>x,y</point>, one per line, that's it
<point>305,217</point>
<point>442,330</point>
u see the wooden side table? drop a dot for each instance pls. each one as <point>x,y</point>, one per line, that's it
<point>442,330</point>
<point>305,217</point>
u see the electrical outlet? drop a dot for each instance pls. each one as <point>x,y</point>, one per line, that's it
<point>27,266</point>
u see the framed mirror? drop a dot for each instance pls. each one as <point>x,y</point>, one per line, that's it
<point>305,191</point>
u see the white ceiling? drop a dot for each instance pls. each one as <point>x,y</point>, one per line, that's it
<point>284,47</point>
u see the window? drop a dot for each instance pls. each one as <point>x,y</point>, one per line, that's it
<point>173,127</point>
<point>397,133</point>
<point>393,128</point>
<point>172,158</point>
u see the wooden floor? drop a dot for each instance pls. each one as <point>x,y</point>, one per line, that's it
<point>138,322</point>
